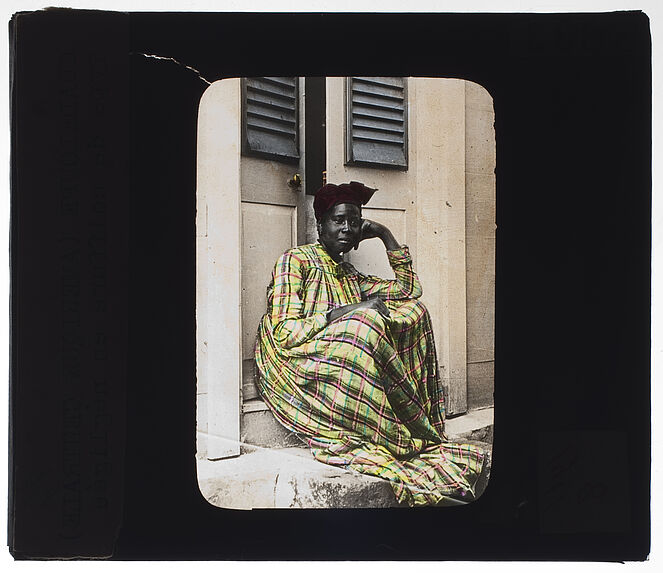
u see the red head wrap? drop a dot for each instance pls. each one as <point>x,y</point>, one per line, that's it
<point>329,195</point>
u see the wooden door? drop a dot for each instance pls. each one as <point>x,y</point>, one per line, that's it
<point>393,204</point>
<point>271,198</point>
<point>272,222</point>
<point>390,209</point>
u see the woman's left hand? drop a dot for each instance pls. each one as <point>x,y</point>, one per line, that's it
<point>371,229</point>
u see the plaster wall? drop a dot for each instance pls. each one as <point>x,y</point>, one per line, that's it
<point>480,231</point>
<point>218,299</point>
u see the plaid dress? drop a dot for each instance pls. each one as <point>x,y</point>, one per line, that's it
<point>363,391</point>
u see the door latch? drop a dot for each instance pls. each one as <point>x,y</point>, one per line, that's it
<point>296,182</point>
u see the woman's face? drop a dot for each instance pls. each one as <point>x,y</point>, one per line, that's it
<point>340,228</point>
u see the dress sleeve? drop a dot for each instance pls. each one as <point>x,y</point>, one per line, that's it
<point>406,285</point>
<point>289,325</point>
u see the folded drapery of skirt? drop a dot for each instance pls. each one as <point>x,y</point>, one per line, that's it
<point>365,394</point>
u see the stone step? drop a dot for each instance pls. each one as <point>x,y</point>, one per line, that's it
<point>290,477</point>
<point>260,428</point>
<point>473,425</point>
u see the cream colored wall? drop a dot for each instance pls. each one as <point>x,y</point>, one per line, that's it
<point>440,120</point>
<point>218,291</point>
<point>480,243</point>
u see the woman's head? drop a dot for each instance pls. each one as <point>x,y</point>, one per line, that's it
<point>338,212</point>
<point>330,194</point>
<point>339,230</point>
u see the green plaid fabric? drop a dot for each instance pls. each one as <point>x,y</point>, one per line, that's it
<point>363,391</point>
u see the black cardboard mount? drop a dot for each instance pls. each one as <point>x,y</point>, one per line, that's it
<point>102,439</point>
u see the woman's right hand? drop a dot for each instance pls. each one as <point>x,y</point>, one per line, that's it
<point>375,303</point>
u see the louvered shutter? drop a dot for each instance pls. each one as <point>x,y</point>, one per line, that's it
<point>270,118</point>
<point>377,121</point>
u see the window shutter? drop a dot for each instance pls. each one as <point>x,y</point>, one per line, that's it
<point>377,121</point>
<point>270,118</point>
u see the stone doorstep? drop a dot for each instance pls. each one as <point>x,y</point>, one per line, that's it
<point>288,478</point>
<point>291,478</point>
<point>474,425</point>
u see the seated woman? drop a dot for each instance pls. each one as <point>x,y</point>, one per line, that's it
<point>348,361</point>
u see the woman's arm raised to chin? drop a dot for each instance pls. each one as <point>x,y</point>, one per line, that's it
<point>372,229</point>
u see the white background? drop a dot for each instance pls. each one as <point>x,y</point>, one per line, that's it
<point>655,12</point>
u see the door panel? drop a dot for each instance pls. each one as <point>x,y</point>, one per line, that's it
<point>267,231</point>
<point>272,223</point>
<point>371,258</point>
